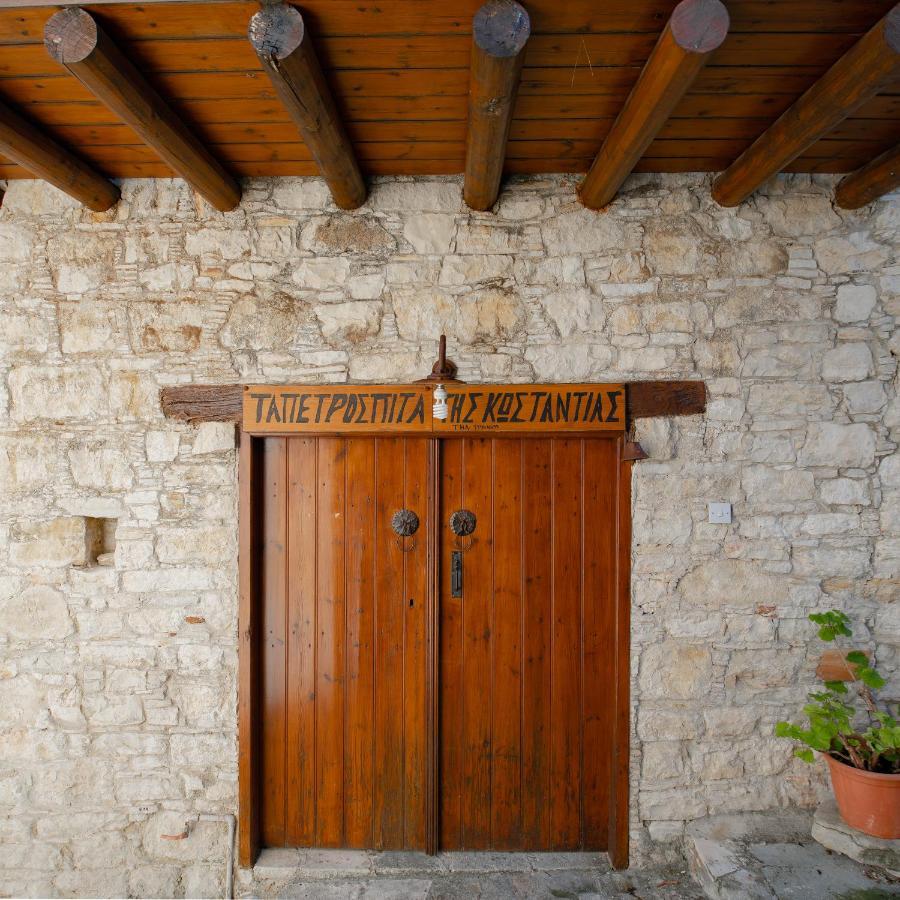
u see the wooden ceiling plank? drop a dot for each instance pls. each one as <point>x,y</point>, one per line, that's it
<point>877,177</point>
<point>25,144</point>
<point>855,78</point>
<point>500,31</point>
<point>695,29</point>
<point>283,44</point>
<point>74,39</point>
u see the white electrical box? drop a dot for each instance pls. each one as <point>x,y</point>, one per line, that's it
<point>720,513</point>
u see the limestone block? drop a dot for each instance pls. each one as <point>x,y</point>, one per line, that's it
<point>153,881</point>
<point>865,397</point>
<point>271,323</point>
<point>97,466</point>
<point>827,561</point>
<point>321,272</point>
<point>205,840</point>
<point>167,580</point>
<point>475,268</point>
<point>420,195</point>
<point>845,255</point>
<point>889,471</point>
<point>23,703</point>
<point>848,362</point>
<point>583,231</point>
<point>887,557</point>
<point>760,670</point>
<point>213,437</point>
<point>366,287</point>
<point>430,232</point>
<point>483,237</point>
<point>801,215</point>
<point>39,613</point>
<point>175,326</point>
<point>845,492</point>
<point>16,242</point>
<point>844,446</point>
<point>81,261</point>
<point>730,721</point>
<point>25,335</point>
<point>855,302</point>
<point>210,544</point>
<point>766,484</point>
<point>201,750</point>
<point>168,277</point>
<point>349,323</point>
<point>675,670</point>
<point>341,234</point>
<point>219,243</point>
<point>301,193</point>
<point>574,362</point>
<point>734,583</point>
<point>574,311</point>
<point>57,542</point>
<point>161,446</point>
<point>56,393</point>
<point>781,400</point>
<point>90,326</point>
<point>27,461</point>
<point>491,315</point>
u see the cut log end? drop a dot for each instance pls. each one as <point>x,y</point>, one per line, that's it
<point>276,31</point>
<point>70,35</point>
<point>501,28</point>
<point>699,26</point>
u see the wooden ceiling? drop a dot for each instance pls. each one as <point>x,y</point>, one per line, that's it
<point>399,70</point>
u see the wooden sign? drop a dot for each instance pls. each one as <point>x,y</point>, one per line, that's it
<point>337,409</point>
<point>407,409</point>
<point>533,408</point>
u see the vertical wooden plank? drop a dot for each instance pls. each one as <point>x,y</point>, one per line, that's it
<point>300,807</point>
<point>477,647</point>
<point>565,765</point>
<point>330,643</point>
<point>414,645</point>
<point>506,674</point>
<point>432,651</point>
<point>600,567</point>
<point>274,637</point>
<point>389,617</point>
<point>618,828</point>
<point>537,494</point>
<point>451,708</point>
<point>360,645</point>
<point>248,652</point>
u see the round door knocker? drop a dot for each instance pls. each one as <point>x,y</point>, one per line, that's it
<point>405,524</point>
<point>462,524</point>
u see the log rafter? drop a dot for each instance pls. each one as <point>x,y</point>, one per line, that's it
<point>869,182</point>
<point>26,144</point>
<point>500,31</point>
<point>76,41</point>
<point>861,73</point>
<point>694,31</point>
<point>284,47</point>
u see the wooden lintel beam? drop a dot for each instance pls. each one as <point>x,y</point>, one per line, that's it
<point>869,182</point>
<point>24,143</point>
<point>694,30</point>
<point>500,31</point>
<point>284,47</point>
<point>76,41</point>
<point>196,403</point>
<point>862,72</point>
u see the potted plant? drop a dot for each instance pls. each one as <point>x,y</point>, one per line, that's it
<point>860,742</point>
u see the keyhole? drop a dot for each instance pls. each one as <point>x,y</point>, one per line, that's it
<point>410,602</point>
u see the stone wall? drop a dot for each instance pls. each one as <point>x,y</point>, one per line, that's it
<point>117,672</point>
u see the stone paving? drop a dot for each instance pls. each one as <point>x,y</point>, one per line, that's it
<point>361,875</point>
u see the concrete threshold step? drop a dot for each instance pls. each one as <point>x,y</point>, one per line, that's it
<point>772,856</point>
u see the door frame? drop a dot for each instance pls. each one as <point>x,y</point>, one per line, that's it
<point>249,654</point>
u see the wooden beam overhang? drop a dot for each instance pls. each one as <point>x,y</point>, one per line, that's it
<point>284,47</point>
<point>75,40</point>
<point>695,29</point>
<point>864,70</point>
<point>194,403</point>
<point>500,31</point>
<point>25,144</point>
<point>868,183</point>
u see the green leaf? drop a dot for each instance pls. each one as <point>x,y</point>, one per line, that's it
<point>837,686</point>
<point>871,678</point>
<point>857,657</point>
<point>826,632</point>
<point>804,754</point>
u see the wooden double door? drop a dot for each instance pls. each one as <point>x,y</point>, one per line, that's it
<point>438,690</point>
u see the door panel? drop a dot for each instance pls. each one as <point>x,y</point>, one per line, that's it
<point>343,626</point>
<point>526,667</point>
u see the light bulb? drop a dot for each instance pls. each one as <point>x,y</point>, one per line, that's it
<point>440,409</point>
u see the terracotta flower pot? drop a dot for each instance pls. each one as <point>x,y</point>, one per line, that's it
<point>867,801</point>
